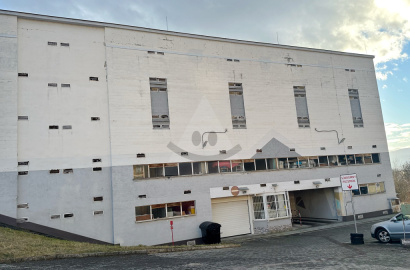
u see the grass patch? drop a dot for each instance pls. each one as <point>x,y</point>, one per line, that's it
<point>17,245</point>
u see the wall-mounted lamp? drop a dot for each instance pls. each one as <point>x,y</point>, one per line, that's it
<point>337,134</point>
<point>317,183</point>
<point>205,142</point>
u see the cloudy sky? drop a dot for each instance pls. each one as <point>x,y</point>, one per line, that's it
<point>377,27</point>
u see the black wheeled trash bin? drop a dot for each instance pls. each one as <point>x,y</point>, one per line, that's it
<point>211,232</point>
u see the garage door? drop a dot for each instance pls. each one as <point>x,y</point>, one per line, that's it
<point>233,216</point>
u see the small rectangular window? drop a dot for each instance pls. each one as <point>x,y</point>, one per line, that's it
<point>171,169</point>
<point>355,108</point>
<point>260,164</point>
<point>98,212</point>
<point>53,127</point>
<point>65,85</point>
<point>213,167</point>
<point>22,117</point>
<point>23,173</point>
<point>184,153</point>
<point>55,216</point>
<point>237,166</point>
<point>67,127</point>
<point>350,159</point>
<point>159,103</point>
<point>198,168</point>
<point>151,52</point>
<point>142,213</point>
<point>323,161</point>
<point>142,196</point>
<point>22,205</point>
<point>93,78</point>
<point>237,105</point>
<point>303,162</point>
<point>140,155</point>
<point>333,161</point>
<point>293,163</point>
<point>156,170</point>
<point>97,169</point>
<point>283,163</point>
<point>376,158</point>
<point>187,192</point>
<point>359,158</point>
<point>68,215</point>
<point>64,44</point>
<point>96,159</point>
<point>55,171</point>
<point>342,159</point>
<point>23,74</point>
<point>66,171</point>
<point>160,53</point>
<point>258,207</point>
<point>301,106</point>
<point>98,199</point>
<point>95,118</point>
<point>224,166</point>
<point>22,163</point>
<point>52,84</point>
<point>52,43</point>
<point>271,162</point>
<point>249,165</point>
<point>363,189</point>
<point>367,158</point>
<point>313,162</point>
<point>185,168</point>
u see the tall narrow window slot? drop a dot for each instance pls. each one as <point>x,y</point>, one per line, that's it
<point>301,106</point>
<point>159,103</point>
<point>237,105</point>
<point>356,109</point>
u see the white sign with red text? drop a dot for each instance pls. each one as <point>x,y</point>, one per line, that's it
<point>349,182</point>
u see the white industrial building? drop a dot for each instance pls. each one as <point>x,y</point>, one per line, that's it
<point>109,132</point>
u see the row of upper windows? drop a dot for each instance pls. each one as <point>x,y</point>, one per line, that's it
<point>248,165</point>
<point>161,118</point>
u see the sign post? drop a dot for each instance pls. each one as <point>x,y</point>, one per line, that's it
<point>349,183</point>
<point>172,230</point>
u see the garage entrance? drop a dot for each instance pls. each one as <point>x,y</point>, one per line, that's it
<point>232,214</point>
<point>314,204</point>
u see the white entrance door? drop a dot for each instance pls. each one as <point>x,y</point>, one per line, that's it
<point>233,217</point>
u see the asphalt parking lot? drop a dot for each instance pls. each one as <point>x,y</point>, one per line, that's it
<point>324,247</point>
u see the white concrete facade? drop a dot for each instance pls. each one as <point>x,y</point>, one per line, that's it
<point>198,70</point>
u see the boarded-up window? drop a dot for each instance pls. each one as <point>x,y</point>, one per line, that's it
<point>356,109</point>
<point>159,103</point>
<point>301,106</point>
<point>237,105</point>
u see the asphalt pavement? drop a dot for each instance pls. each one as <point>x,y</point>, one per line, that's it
<point>317,247</point>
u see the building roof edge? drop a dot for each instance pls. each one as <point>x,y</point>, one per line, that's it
<point>40,17</point>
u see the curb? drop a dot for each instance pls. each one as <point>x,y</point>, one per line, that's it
<point>118,253</point>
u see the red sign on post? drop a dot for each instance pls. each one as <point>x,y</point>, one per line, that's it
<point>172,230</point>
<point>349,182</point>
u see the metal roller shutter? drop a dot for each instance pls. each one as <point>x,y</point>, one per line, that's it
<point>233,216</point>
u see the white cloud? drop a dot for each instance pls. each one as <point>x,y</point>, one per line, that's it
<point>398,136</point>
<point>376,27</point>
<point>384,86</point>
<point>405,79</point>
<point>383,76</point>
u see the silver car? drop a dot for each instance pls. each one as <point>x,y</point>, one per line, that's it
<point>391,229</point>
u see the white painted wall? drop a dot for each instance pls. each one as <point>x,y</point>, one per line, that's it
<point>197,74</point>
<point>8,115</point>
<point>58,149</point>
